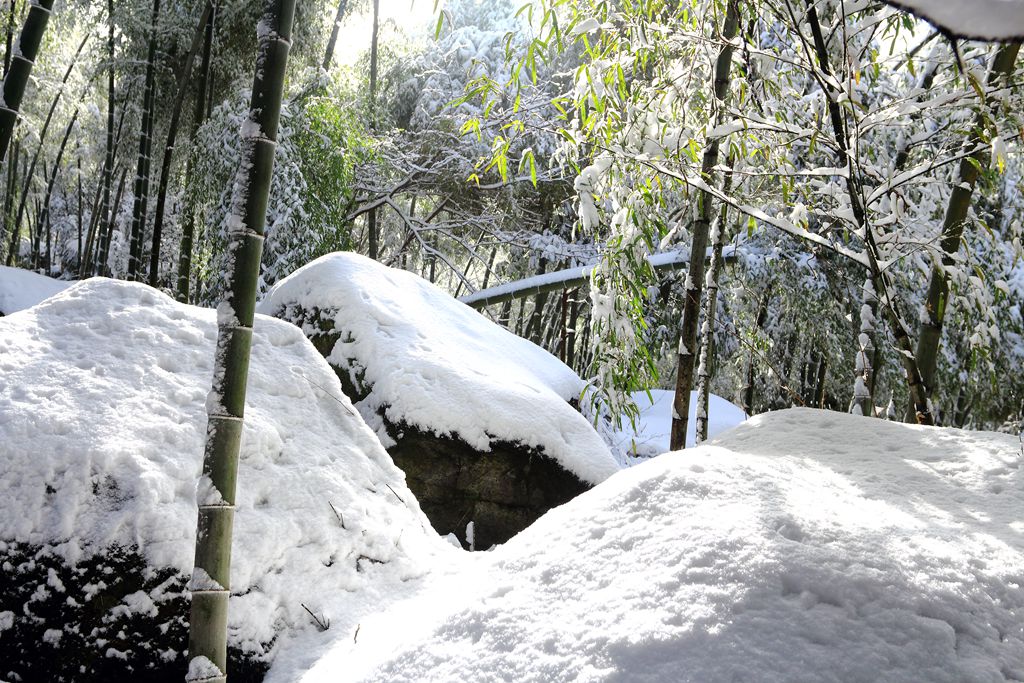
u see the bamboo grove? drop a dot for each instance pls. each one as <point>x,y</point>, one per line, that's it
<point>842,190</point>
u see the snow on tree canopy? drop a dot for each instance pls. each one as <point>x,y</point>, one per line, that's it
<point>1001,20</point>
<point>21,289</point>
<point>435,363</point>
<point>102,428</point>
<point>803,545</point>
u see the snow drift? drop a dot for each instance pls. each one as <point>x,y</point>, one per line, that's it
<point>435,363</point>
<point>802,546</point>
<point>102,426</point>
<point>21,289</point>
<point>652,432</point>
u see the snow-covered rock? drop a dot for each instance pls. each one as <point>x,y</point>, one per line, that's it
<point>479,419</point>
<point>803,545</point>
<point>433,362</point>
<point>652,431</point>
<point>980,19</point>
<point>102,426</point>
<point>21,289</point>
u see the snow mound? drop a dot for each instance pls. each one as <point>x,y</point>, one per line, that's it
<point>435,363</point>
<point>653,431</point>
<point>980,19</point>
<point>803,546</point>
<point>21,289</point>
<point>102,429</point>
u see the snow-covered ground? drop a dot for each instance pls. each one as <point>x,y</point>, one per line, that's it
<point>652,430</point>
<point>21,289</point>
<point>435,363</point>
<point>102,426</point>
<point>803,545</point>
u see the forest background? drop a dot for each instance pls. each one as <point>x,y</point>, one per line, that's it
<point>849,176</point>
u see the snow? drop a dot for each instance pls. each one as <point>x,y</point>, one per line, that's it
<point>21,289</point>
<point>803,545</point>
<point>981,19</point>
<point>577,275</point>
<point>102,428</point>
<point>435,363</point>
<point>653,429</point>
<point>201,669</point>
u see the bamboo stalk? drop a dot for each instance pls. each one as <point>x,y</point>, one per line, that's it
<point>140,206</point>
<point>12,13</point>
<point>953,224</point>
<point>22,61</point>
<point>707,347</point>
<point>44,218</point>
<point>107,178</point>
<point>211,578</point>
<point>172,135</point>
<point>699,242</point>
<point>12,189</point>
<point>333,40</point>
<point>30,175</point>
<point>188,228</point>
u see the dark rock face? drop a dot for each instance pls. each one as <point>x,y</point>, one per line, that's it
<point>502,491</point>
<point>109,618</point>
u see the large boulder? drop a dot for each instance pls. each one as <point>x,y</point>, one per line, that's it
<point>102,426</point>
<point>481,420</point>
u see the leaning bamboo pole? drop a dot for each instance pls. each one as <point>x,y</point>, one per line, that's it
<point>210,584</point>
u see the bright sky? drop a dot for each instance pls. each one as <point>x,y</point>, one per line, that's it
<point>410,16</point>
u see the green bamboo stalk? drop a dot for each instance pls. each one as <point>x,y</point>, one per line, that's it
<point>44,217</point>
<point>85,259</point>
<point>707,334</point>
<point>140,206</point>
<point>78,181</point>
<point>30,176</point>
<point>747,391</point>
<point>107,177</point>
<point>699,243</point>
<point>12,189</point>
<point>863,402</point>
<point>111,214</point>
<point>104,256</point>
<point>22,61</point>
<point>953,224</point>
<point>33,229</point>
<point>172,135</point>
<point>12,13</point>
<point>371,220</point>
<point>245,226</point>
<point>188,227</point>
<point>333,40</point>
<point>879,281</point>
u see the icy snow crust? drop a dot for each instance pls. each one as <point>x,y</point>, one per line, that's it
<point>653,432</point>
<point>802,546</point>
<point>436,363</point>
<point>980,19</point>
<point>21,289</point>
<point>102,399</point>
